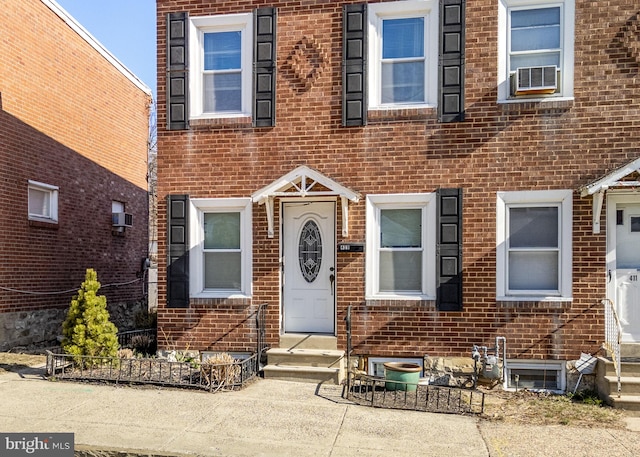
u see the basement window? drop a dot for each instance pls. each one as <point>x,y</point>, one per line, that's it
<point>376,364</point>
<point>535,375</point>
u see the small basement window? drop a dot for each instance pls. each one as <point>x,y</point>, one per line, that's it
<point>376,364</point>
<point>536,375</point>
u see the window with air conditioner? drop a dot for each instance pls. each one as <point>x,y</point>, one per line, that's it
<point>119,218</point>
<point>536,41</point>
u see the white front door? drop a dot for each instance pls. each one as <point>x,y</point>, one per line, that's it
<point>309,247</point>
<point>623,228</point>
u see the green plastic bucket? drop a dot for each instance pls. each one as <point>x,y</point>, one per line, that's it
<point>407,375</point>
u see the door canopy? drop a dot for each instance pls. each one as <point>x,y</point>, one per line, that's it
<point>304,182</point>
<point>616,179</point>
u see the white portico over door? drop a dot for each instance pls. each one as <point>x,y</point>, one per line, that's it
<point>620,188</point>
<point>309,206</point>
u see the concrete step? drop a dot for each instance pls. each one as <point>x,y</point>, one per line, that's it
<point>314,375</point>
<point>627,367</point>
<point>631,350</point>
<point>305,357</point>
<point>630,385</point>
<point>306,341</point>
<point>305,365</point>
<point>607,381</point>
<point>629,403</point>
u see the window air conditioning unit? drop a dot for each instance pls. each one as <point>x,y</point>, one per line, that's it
<point>122,219</point>
<point>536,80</point>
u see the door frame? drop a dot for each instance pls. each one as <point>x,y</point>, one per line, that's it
<point>613,199</point>
<point>282,203</point>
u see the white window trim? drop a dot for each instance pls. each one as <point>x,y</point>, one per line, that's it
<point>552,365</point>
<point>567,38</point>
<point>53,201</point>
<point>224,23</point>
<point>564,198</point>
<point>198,206</point>
<point>426,202</point>
<point>397,10</point>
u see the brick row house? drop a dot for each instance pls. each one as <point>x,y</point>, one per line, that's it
<point>430,175</point>
<point>73,152</point>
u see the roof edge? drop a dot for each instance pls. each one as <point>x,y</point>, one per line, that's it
<point>610,178</point>
<point>93,42</point>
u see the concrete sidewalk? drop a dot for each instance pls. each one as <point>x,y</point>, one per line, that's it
<point>274,418</point>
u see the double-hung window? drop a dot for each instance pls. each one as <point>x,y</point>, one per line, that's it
<point>534,245</point>
<point>403,61</point>
<point>403,53</point>
<point>535,37</point>
<point>536,42</point>
<point>43,202</point>
<point>221,60</point>
<point>222,72</point>
<point>221,255</point>
<point>400,246</point>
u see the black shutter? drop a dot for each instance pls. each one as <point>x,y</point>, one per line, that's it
<point>354,65</point>
<point>178,251</point>
<point>449,250</point>
<point>177,71</point>
<point>264,67</point>
<point>451,61</point>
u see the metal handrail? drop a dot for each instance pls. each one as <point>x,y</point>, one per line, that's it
<point>612,337</point>
<point>261,330</point>
<point>349,348</point>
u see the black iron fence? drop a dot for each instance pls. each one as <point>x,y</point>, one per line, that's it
<point>207,376</point>
<point>375,391</point>
<point>379,392</point>
<point>134,338</point>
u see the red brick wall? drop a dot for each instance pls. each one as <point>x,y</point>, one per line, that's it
<point>68,118</point>
<point>525,146</point>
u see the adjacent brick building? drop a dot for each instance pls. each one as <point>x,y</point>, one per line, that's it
<point>73,150</point>
<point>432,166</point>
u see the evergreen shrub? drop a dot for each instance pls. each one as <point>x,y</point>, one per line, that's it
<point>87,329</point>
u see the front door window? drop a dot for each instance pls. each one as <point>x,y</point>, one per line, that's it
<point>310,251</point>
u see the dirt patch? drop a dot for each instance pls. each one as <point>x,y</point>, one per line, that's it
<point>538,408</point>
<point>14,362</point>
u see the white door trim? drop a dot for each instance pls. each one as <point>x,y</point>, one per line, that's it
<point>613,200</point>
<point>329,257</point>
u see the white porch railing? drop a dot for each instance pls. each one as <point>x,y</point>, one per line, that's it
<point>612,336</point>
